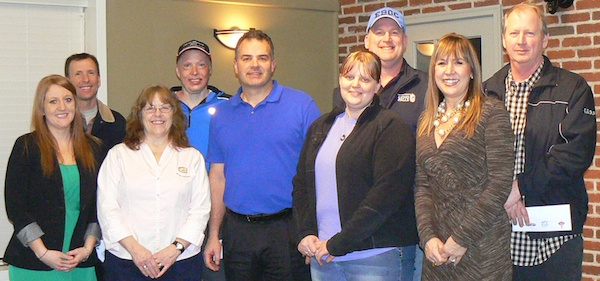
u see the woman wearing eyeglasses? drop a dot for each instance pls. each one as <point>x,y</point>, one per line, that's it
<point>153,195</point>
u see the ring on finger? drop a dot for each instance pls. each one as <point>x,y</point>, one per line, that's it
<point>453,260</point>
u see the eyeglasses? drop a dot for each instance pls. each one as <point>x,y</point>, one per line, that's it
<point>165,108</point>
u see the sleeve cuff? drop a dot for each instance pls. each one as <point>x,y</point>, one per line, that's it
<point>29,233</point>
<point>93,229</point>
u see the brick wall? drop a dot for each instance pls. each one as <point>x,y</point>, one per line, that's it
<point>574,44</point>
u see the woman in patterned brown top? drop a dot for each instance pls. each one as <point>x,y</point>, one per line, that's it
<point>464,171</point>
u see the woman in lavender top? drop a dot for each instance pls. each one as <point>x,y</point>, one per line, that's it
<point>353,199</point>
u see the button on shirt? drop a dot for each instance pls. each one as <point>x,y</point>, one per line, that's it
<point>155,202</point>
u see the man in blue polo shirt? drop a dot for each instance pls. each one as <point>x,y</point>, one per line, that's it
<point>254,145</point>
<point>198,99</point>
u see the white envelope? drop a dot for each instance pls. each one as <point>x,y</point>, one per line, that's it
<point>547,219</point>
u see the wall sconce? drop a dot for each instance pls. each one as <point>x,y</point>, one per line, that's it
<point>554,4</point>
<point>229,37</point>
<point>426,48</point>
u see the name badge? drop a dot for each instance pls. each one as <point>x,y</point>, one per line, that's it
<point>407,97</point>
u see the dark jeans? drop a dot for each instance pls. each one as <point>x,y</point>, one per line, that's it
<point>262,251</point>
<point>411,263</point>
<point>563,265</point>
<point>117,269</point>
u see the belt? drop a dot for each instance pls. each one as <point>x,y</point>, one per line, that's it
<point>262,217</point>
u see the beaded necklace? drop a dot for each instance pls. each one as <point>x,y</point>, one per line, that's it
<point>441,117</point>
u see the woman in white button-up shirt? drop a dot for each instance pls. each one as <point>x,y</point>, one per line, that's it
<point>153,195</point>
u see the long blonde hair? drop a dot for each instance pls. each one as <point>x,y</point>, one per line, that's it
<point>460,47</point>
<point>46,142</point>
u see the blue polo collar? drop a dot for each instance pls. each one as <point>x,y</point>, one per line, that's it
<point>273,96</point>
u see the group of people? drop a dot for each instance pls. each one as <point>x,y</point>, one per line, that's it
<point>411,176</point>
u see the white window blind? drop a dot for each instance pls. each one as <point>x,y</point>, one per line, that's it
<point>35,40</point>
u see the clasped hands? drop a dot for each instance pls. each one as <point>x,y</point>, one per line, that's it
<point>439,253</point>
<point>154,265</point>
<point>312,246</point>
<point>65,261</point>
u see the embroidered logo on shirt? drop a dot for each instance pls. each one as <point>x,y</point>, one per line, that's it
<point>407,97</point>
<point>589,111</point>
<point>183,172</point>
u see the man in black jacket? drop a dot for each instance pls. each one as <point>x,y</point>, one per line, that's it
<point>108,125</point>
<point>402,87</point>
<point>554,121</point>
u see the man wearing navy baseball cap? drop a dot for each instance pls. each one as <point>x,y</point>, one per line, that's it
<point>198,100</point>
<point>193,66</point>
<point>403,91</point>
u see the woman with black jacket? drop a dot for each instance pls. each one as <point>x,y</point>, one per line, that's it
<point>50,191</point>
<point>353,199</point>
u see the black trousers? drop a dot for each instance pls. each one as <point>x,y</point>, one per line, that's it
<point>262,251</point>
<point>117,269</point>
<point>563,265</point>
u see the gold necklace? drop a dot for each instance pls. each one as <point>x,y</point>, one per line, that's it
<point>442,116</point>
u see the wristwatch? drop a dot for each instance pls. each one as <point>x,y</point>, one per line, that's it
<point>179,246</point>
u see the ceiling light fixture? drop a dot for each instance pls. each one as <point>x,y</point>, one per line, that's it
<point>229,37</point>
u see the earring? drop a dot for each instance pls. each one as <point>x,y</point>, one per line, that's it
<point>471,76</point>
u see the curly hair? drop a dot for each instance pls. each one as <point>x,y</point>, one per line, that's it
<point>135,128</point>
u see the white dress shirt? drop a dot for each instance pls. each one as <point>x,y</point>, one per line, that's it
<point>155,202</point>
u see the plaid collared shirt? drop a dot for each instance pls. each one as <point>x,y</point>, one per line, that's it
<point>526,251</point>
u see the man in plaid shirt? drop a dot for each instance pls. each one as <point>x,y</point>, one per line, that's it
<point>554,120</point>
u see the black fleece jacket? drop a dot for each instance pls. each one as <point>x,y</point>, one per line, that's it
<point>375,169</point>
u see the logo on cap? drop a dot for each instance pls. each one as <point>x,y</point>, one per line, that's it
<point>386,12</point>
<point>195,45</point>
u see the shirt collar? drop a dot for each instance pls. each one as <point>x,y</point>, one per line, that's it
<point>105,112</point>
<point>274,95</point>
<point>513,87</point>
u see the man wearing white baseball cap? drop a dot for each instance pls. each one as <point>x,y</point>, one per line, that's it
<point>403,91</point>
<point>403,87</point>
